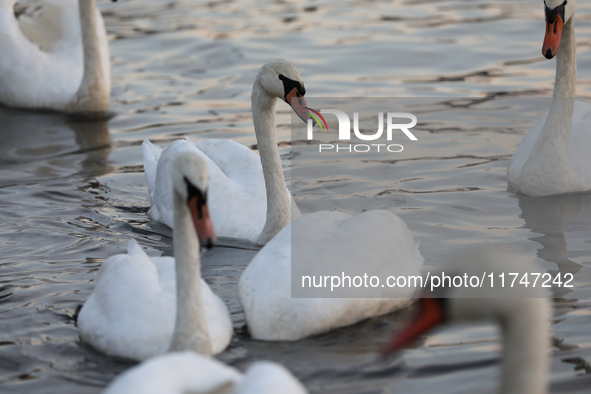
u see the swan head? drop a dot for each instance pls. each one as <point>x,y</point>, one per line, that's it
<point>281,79</point>
<point>558,12</point>
<point>190,180</point>
<point>449,302</point>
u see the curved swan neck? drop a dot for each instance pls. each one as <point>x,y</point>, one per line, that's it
<point>566,62</point>
<point>525,360</point>
<point>278,198</point>
<point>93,94</point>
<point>190,331</point>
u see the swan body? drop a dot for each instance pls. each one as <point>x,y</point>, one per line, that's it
<point>375,241</point>
<point>131,311</point>
<point>553,156</point>
<point>249,197</point>
<point>575,171</point>
<point>57,58</point>
<point>188,372</point>
<point>523,314</point>
<point>333,241</point>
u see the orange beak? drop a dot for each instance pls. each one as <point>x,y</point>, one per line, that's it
<point>552,38</point>
<point>298,103</point>
<point>430,315</point>
<point>202,222</point>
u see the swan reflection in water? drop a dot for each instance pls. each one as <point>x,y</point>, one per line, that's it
<point>549,216</point>
<point>39,147</point>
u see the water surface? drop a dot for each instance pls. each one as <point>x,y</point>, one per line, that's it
<point>73,192</point>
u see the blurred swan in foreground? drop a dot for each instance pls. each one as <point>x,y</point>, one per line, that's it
<point>523,314</point>
<point>179,373</point>
<point>248,195</point>
<point>56,57</point>
<point>131,311</point>
<point>553,157</point>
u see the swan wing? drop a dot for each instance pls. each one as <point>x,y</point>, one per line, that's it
<point>579,147</point>
<point>239,200</point>
<point>161,193</point>
<point>52,25</point>
<point>524,150</point>
<point>236,198</point>
<point>236,161</point>
<point>580,143</point>
<point>218,318</point>
<point>130,312</point>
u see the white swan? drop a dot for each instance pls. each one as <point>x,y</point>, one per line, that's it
<point>131,312</point>
<point>248,195</point>
<point>376,239</point>
<point>187,372</point>
<point>523,314</point>
<point>58,59</point>
<point>553,157</point>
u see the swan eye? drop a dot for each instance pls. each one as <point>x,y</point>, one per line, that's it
<point>193,191</point>
<point>289,85</point>
<point>551,14</point>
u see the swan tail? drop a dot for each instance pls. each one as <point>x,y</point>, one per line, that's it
<point>151,155</point>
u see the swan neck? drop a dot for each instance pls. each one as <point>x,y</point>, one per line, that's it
<point>190,331</point>
<point>278,197</point>
<point>8,5</point>
<point>566,62</point>
<point>93,94</point>
<point>525,359</point>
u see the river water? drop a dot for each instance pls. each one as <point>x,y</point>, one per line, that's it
<point>72,192</point>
